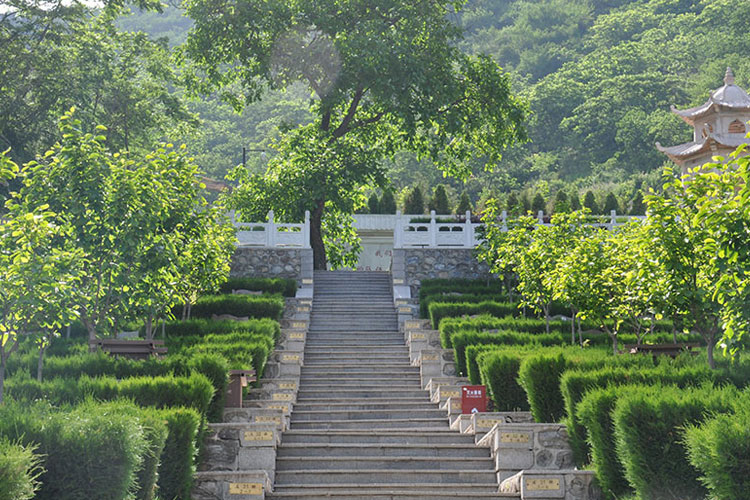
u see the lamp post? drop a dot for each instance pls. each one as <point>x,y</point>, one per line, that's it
<point>245,151</point>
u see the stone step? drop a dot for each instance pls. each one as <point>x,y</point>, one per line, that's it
<point>414,436</point>
<point>375,385</point>
<point>363,406</point>
<point>400,464</point>
<point>338,350</point>
<point>389,492</point>
<point>361,357</point>
<point>321,392</point>
<point>382,450</point>
<point>382,423</point>
<point>372,414</point>
<point>368,476</point>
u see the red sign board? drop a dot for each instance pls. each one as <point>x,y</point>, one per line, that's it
<point>473,399</point>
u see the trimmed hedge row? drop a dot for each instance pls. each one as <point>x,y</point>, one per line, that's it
<point>194,391</point>
<point>19,469</point>
<point>463,339</point>
<point>575,384</point>
<point>114,449</point>
<point>203,327</point>
<point>284,286</point>
<point>441,310</point>
<point>475,287</point>
<point>242,350</point>
<point>650,442</point>
<point>251,306</point>
<point>443,298</point>
<point>99,364</point>
<point>720,449</point>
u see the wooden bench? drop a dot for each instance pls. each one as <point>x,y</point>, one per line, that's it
<point>132,349</point>
<point>671,350</point>
<point>238,379</point>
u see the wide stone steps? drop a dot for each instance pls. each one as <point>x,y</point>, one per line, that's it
<point>362,426</point>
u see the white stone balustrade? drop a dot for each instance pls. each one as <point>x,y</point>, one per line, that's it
<point>270,234</point>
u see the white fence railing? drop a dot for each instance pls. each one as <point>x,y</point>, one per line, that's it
<point>431,233</point>
<point>270,234</point>
<point>439,234</point>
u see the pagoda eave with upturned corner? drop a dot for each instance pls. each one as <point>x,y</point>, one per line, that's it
<point>720,125</point>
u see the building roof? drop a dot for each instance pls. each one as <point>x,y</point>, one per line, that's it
<point>683,151</point>
<point>727,96</point>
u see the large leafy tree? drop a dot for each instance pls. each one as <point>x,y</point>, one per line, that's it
<point>385,75</point>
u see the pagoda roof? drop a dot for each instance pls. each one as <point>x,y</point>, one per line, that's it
<point>685,151</point>
<point>727,96</point>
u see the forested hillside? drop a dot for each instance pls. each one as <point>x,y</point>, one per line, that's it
<point>598,76</point>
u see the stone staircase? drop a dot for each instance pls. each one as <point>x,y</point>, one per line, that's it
<point>362,426</point>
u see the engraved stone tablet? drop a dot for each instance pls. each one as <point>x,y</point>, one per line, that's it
<point>288,385</point>
<point>290,357</point>
<point>258,436</point>
<point>514,437</point>
<point>245,489</point>
<point>264,418</point>
<point>299,324</point>
<point>548,484</point>
<point>280,396</point>
<point>418,336</point>
<point>297,336</point>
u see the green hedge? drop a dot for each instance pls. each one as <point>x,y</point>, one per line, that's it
<point>283,286</point>
<point>648,431</point>
<point>86,451</point>
<point>574,384</point>
<point>424,303</point>
<point>720,450</point>
<point>250,306</point>
<point>194,391</point>
<point>498,370</point>
<point>463,339</point>
<point>19,470</point>
<point>203,327</point>
<point>595,414</point>
<point>215,367</point>
<point>440,310</point>
<point>540,375</point>
<point>468,286</point>
<point>178,458</point>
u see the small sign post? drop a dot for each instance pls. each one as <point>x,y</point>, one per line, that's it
<point>473,399</point>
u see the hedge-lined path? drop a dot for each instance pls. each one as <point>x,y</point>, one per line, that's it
<point>362,427</point>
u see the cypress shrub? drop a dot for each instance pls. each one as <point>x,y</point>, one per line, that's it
<point>574,384</point>
<point>595,414</point>
<point>440,286</point>
<point>499,370</point>
<point>19,470</point>
<point>463,339</point>
<point>239,305</point>
<point>648,432</point>
<point>194,391</point>
<point>203,327</point>
<point>720,450</point>
<point>439,310</point>
<point>86,451</point>
<point>284,286</point>
<point>424,303</point>
<point>178,458</point>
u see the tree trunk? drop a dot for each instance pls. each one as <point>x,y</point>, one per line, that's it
<point>2,373</point>
<point>184,310</point>
<point>189,310</point>
<point>546,316</point>
<point>40,361</point>
<point>573,326</point>
<point>150,327</point>
<point>614,343</point>
<point>67,333</point>
<point>710,351</point>
<point>320,262</point>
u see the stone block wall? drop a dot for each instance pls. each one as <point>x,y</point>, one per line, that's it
<point>295,263</point>
<point>412,265</point>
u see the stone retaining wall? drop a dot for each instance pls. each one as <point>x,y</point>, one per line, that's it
<point>295,263</point>
<point>413,265</point>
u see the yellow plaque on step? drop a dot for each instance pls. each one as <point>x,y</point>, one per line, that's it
<point>449,394</point>
<point>281,396</point>
<point>303,309</point>
<point>411,323</point>
<point>404,309</point>
<point>263,418</point>
<point>456,405</point>
<point>514,437</point>
<point>297,336</point>
<point>276,407</point>
<point>299,324</point>
<point>307,281</point>
<point>290,357</point>
<point>245,489</point>
<point>288,385</point>
<point>398,281</point>
<point>542,484</point>
<point>489,422</point>
<point>258,436</point>
<point>429,357</point>
<point>418,336</point>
